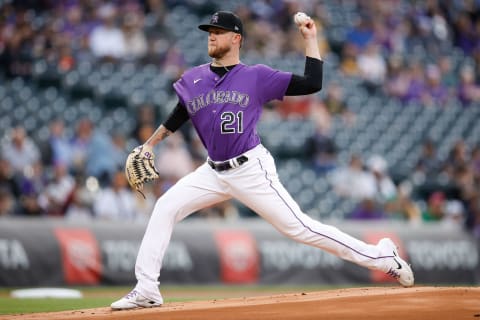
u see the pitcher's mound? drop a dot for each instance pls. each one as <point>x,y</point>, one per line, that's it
<point>359,303</point>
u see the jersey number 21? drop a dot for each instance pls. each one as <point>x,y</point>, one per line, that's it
<point>231,122</point>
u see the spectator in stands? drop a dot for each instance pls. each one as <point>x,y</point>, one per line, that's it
<point>416,83</point>
<point>92,151</point>
<point>348,60</point>
<point>402,207</point>
<point>465,35</point>
<point>17,54</point>
<point>143,131</point>
<point>352,181</point>
<point>29,206</point>
<point>119,148</point>
<point>383,36</point>
<point>9,179</point>
<point>458,157</point>
<point>7,203</point>
<point>464,180</point>
<point>83,53</point>
<point>323,152</point>
<point>116,201</point>
<point>336,105</point>
<point>135,40</point>
<point>77,23</point>
<point>145,118</point>
<point>394,201</point>
<point>99,161</point>
<point>372,67</point>
<point>435,93</point>
<point>432,28</point>
<point>475,162</point>
<point>321,145</point>
<point>57,192</point>
<point>367,209</point>
<point>295,107</point>
<point>45,41</point>
<point>435,209</point>
<point>80,203</point>
<point>79,145</point>
<point>20,150</point>
<point>174,62</point>
<point>33,182</point>
<point>156,8</point>
<point>384,186</point>
<point>57,147</point>
<point>398,78</point>
<point>173,160</point>
<point>454,213</point>
<point>107,41</point>
<point>320,116</point>
<point>66,60</point>
<point>428,162</point>
<point>468,91</point>
<point>448,77</point>
<point>361,35</point>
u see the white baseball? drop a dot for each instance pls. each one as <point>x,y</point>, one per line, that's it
<point>300,18</point>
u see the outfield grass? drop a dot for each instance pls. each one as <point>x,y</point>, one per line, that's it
<point>95,297</point>
<point>15,306</point>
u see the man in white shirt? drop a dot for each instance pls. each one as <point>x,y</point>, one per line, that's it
<point>107,40</point>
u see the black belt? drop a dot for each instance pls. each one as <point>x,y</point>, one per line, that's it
<point>227,165</point>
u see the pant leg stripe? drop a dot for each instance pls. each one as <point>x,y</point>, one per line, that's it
<point>309,228</point>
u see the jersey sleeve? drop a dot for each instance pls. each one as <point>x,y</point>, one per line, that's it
<point>272,84</point>
<point>180,89</point>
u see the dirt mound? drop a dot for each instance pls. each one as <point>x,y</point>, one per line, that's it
<point>360,303</point>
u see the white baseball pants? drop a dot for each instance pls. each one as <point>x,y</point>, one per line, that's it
<point>255,184</point>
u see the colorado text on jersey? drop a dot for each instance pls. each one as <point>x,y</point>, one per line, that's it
<point>217,96</point>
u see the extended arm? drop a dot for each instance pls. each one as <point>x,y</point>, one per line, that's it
<point>311,81</point>
<point>309,33</point>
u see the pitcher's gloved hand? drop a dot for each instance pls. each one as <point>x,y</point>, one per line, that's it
<point>140,168</point>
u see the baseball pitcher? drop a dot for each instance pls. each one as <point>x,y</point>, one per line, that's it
<point>224,100</point>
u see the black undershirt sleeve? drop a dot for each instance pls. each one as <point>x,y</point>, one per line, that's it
<point>310,82</point>
<point>176,118</point>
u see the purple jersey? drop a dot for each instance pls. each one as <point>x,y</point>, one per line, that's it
<point>225,110</point>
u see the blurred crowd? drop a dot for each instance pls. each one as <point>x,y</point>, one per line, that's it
<point>402,48</point>
<point>418,52</point>
<point>437,190</point>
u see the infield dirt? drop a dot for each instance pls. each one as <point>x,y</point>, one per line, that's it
<point>422,303</point>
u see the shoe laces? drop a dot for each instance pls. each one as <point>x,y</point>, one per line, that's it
<point>132,294</point>
<point>393,273</point>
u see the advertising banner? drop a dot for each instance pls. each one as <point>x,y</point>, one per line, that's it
<point>54,252</point>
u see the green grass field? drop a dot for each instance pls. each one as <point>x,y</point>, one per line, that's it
<point>94,297</point>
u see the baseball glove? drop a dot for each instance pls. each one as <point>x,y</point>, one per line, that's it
<point>140,168</point>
